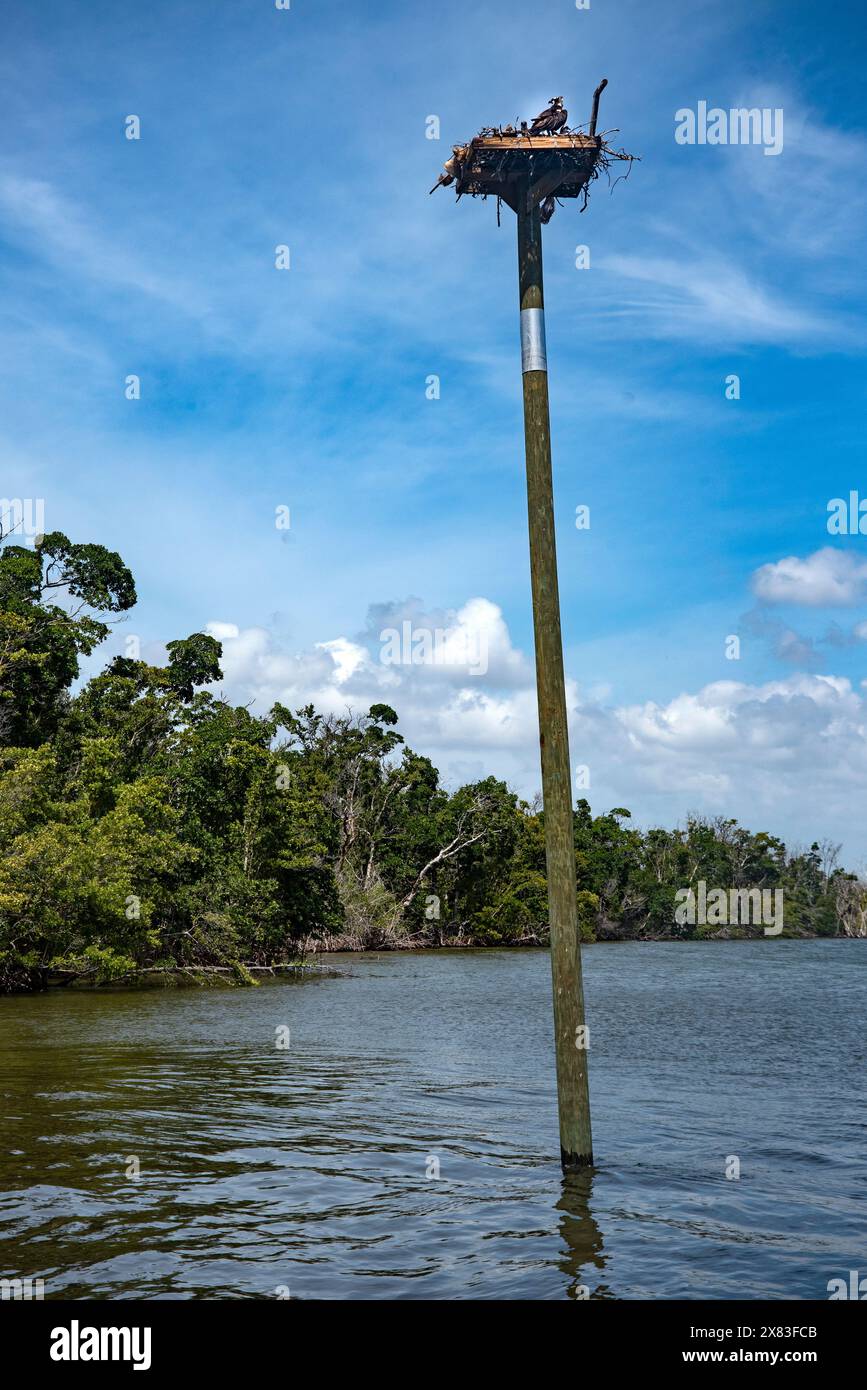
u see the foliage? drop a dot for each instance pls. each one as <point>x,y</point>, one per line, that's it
<point>144,821</point>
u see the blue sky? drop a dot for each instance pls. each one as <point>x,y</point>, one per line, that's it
<point>306,388</point>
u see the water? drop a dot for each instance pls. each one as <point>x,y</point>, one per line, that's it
<point>305,1169</point>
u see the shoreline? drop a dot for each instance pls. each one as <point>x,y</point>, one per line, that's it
<point>313,966</point>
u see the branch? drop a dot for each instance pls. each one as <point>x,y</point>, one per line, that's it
<point>448,852</point>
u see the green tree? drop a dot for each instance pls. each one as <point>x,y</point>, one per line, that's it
<point>41,640</point>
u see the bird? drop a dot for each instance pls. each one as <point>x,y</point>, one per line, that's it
<point>451,172</point>
<point>546,210</point>
<point>552,119</point>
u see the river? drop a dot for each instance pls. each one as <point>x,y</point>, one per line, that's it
<point>310,1169</point>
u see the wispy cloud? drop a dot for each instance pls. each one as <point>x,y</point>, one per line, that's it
<point>47,223</point>
<point>711,299</point>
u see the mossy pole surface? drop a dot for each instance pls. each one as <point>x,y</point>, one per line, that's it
<point>573,1095</point>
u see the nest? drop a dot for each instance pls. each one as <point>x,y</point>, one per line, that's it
<point>506,162</point>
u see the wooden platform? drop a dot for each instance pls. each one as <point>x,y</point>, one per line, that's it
<point>570,141</point>
<point>501,166</point>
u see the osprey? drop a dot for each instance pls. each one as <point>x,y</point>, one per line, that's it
<point>452,169</point>
<point>552,119</point>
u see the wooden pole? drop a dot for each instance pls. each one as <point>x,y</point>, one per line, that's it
<point>573,1096</point>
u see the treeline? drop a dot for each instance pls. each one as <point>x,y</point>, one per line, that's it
<point>146,823</point>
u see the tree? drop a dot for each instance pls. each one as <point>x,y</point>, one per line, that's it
<point>40,640</point>
<point>145,821</point>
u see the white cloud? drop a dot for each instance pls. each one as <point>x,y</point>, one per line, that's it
<point>827,577</point>
<point>446,678</point>
<point>788,756</point>
<point>347,656</point>
<point>469,642</point>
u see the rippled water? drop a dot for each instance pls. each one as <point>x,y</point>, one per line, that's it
<point>306,1168</point>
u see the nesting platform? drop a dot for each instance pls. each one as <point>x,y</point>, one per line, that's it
<point>541,166</point>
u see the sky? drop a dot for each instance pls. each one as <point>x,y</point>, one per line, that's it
<point>309,388</point>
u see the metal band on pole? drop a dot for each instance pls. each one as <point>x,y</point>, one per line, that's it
<point>533,355</point>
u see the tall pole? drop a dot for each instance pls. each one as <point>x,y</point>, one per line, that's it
<point>573,1095</point>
